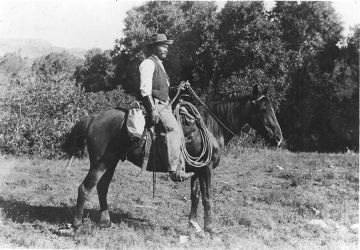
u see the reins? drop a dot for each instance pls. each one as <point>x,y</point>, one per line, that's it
<point>202,103</point>
<point>213,115</point>
<point>210,112</point>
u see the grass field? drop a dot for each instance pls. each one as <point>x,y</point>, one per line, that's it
<point>262,199</point>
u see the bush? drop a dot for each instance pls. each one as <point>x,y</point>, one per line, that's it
<point>36,115</point>
<point>55,67</point>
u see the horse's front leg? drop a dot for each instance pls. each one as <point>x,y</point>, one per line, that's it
<point>205,187</point>
<point>195,197</point>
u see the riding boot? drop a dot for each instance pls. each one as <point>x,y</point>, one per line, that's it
<point>179,175</point>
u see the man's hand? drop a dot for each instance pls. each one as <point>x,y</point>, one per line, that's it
<point>184,85</point>
<point>155,117</point>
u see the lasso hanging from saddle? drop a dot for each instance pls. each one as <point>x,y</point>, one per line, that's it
<point>188,115</point>
<point>150,142</point>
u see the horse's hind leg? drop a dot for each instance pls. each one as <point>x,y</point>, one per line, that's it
<point>84,191</point>
<point>195,197</point>
<point>102,189</point>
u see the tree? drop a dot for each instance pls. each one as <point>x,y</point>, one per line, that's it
<point>12,63</point>
<point>185,22</point>
<point>292,50</point>
<point>13,69</point>
<point>307,27</point>
<point>343,112</point>
<point>311,32</point>
<point>97,72</point>
<point>198,47</point>
<point>251,51</point>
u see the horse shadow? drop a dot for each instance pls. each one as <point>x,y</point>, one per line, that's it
<point>22,212</point>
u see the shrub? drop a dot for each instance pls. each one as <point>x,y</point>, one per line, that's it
<point>55,67</point>
<point>36,115</point>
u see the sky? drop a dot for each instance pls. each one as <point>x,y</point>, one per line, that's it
<point>94,23</point>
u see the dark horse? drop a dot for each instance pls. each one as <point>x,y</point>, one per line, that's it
<point>107,143</point>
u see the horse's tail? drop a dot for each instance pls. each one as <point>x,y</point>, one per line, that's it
<point>75,141</point>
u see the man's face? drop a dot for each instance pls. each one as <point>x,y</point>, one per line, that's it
<point>161,51</point>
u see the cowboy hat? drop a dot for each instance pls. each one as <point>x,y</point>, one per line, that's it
<point>159,39</point>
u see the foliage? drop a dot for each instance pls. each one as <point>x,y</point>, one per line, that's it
<point>205,51</point>
<point>36,115</point>
<point>354,39</point>
<point>218,53</point>
<point>307,28</point>
<point>293,50</point>
<point>342,113</point>
<point>187,23</point>
<point>13,67</point>
<point>12,63</point>
<point>311,116</point>
<point>55,67</point>
<point>251,52</point>
<point>97,72</point>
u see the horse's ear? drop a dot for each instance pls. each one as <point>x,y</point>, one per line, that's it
<point>255,92</point>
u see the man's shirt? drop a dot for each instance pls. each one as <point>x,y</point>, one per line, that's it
<point>147,68</point>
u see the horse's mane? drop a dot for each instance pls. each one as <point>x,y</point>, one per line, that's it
<point>228,111</point>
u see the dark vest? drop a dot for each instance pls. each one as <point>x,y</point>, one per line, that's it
<point>160,88</point>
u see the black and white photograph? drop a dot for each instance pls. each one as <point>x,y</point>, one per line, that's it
<point>132,124</point>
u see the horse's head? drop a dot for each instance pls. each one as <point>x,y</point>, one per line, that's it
<point>262,117</point>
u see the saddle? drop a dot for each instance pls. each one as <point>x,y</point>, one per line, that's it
<point>144,142</point>
<point>148,151</point>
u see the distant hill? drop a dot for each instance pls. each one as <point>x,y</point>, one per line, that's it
<point>33,48</point>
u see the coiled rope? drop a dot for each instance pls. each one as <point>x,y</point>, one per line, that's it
<point>206,153</point>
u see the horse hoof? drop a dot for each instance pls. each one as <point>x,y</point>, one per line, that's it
<point>105,224</point>
<point>200,234</point>
<point>105,221</point>
<point>195,225</point>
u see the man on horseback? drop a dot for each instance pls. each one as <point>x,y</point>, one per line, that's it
<point>154,88</point>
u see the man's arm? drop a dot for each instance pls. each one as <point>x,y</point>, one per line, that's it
<point>146,68</point>
<point>173,89</point>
